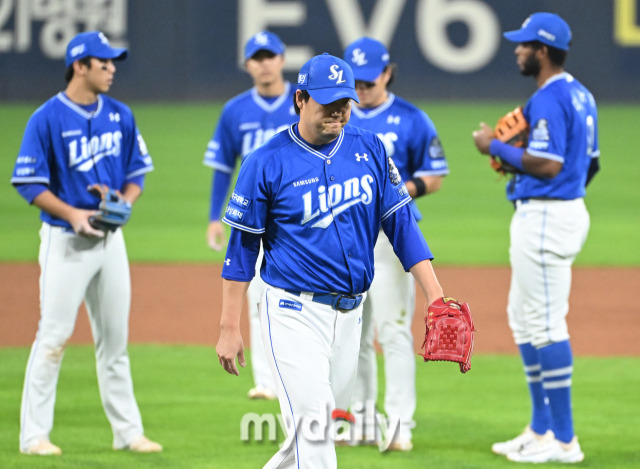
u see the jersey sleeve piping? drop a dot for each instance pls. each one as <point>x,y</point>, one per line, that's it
<point>395,207</point>
<point>242,227</point>
<point>218,166</point>
<point>30,180</point>
<point>139,172</point>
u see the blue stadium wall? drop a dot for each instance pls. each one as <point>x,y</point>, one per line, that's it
<point>191,49</point>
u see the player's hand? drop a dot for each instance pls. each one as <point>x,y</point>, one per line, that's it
<point>79,220</point>
<point>229,347</point>
<point>482,138</point>
<point>215,235</point>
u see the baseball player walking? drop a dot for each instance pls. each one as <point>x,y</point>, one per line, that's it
<point>411,140</point>
<point>548,230</point>
<point>79,138</point>
<point>316,196</point>
<point>247,121</point>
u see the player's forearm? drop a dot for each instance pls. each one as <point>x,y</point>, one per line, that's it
<point>233,295</point>
<point>131,192</point>
<point>426,278</point>
<point>423,185</point>
<point>53,205</point>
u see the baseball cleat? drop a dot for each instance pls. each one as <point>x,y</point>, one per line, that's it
<point>260,392</point>
<point>400,445</point>
<point>42,448</point>
<point>549,450</point>
<point>142,444</point>
<point>525,439</point>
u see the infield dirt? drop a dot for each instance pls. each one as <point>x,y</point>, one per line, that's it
<point>180,304</point>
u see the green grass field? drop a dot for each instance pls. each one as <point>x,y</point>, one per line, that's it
<point>194,409</point>
<point>466,222</point>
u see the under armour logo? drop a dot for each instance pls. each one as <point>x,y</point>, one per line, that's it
<point>227,262</point>
<point>114,116</point>
<point>261,38</point>
<point>393,120</point>
<point>360,157</point>
<point>336,74</point>
<point>359,57</point>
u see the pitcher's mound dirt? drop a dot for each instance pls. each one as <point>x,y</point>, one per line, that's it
<point>180,304</point>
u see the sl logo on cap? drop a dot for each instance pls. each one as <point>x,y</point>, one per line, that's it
<point>336,74</point>
<point>302,79</point>
<point>359,58</point>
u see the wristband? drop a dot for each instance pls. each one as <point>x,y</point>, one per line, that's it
<point>507,153</point>
<point>421,187</point>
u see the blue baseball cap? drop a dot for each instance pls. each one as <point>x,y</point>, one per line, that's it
<point>367,58</point>
<point>264,40</point>
<point>327,79</point>
<point>547,28</point>
<point>92,44</point>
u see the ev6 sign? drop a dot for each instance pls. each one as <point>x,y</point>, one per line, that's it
<point>432,18</point>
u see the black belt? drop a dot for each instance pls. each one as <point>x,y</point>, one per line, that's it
<point>335,300</point>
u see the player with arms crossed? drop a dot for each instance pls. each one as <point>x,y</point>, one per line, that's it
<point>316,196</point>
<point>548,230</point>
<point>78,140</point>
<point>247,121</point>
<point>411,140</point>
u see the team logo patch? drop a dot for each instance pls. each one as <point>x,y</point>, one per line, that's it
<point>302,79</point>
<point>288,304</point>
<point>240,200</point>
<point>435,148</point>
<point>394,174</point>
<point>540,131</point>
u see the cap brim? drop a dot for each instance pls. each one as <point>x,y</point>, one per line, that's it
<point>520,36</point>
<point>114,53</point>
<point>328,95</point>
<point>366,74</point>
<point>253,52</point>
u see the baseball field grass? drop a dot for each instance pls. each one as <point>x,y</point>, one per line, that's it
<point>194,409</point>
<point>465,223</point>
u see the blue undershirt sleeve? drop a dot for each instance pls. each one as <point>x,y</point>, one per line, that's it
<point>507,153</point>
<point>408,242</point>
<point>241,257</point>
<point>30,191</point>
<point>219,188</point>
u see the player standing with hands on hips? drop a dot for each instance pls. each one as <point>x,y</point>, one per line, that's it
<point>76,146</point>
<point>316,196</point>
<point>548,230</point>
<point>411,140</point>
<point>247,121</point>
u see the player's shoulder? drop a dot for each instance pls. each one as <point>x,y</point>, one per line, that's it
<point>277,148</point>
<point>109,102</point>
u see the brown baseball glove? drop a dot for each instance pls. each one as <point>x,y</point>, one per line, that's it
<point>512,128</point>
<point>449,334</point>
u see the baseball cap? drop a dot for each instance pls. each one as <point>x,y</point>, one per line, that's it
<point>264,40</point>
<point>367,58</point>
<point>327,79</point>
<point>547,28</point>
<point>92,44</point>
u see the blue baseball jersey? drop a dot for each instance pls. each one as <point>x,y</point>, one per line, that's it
<point>247,121</point>
<point>408,135</point>
<point>68,149</point>
<point>319,214</point>
<point>563,118</point>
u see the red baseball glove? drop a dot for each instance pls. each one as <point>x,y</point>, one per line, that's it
<point>449,334</point>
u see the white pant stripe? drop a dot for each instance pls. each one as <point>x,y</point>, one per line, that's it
<point>557,372</point>
<point>565,383</point>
